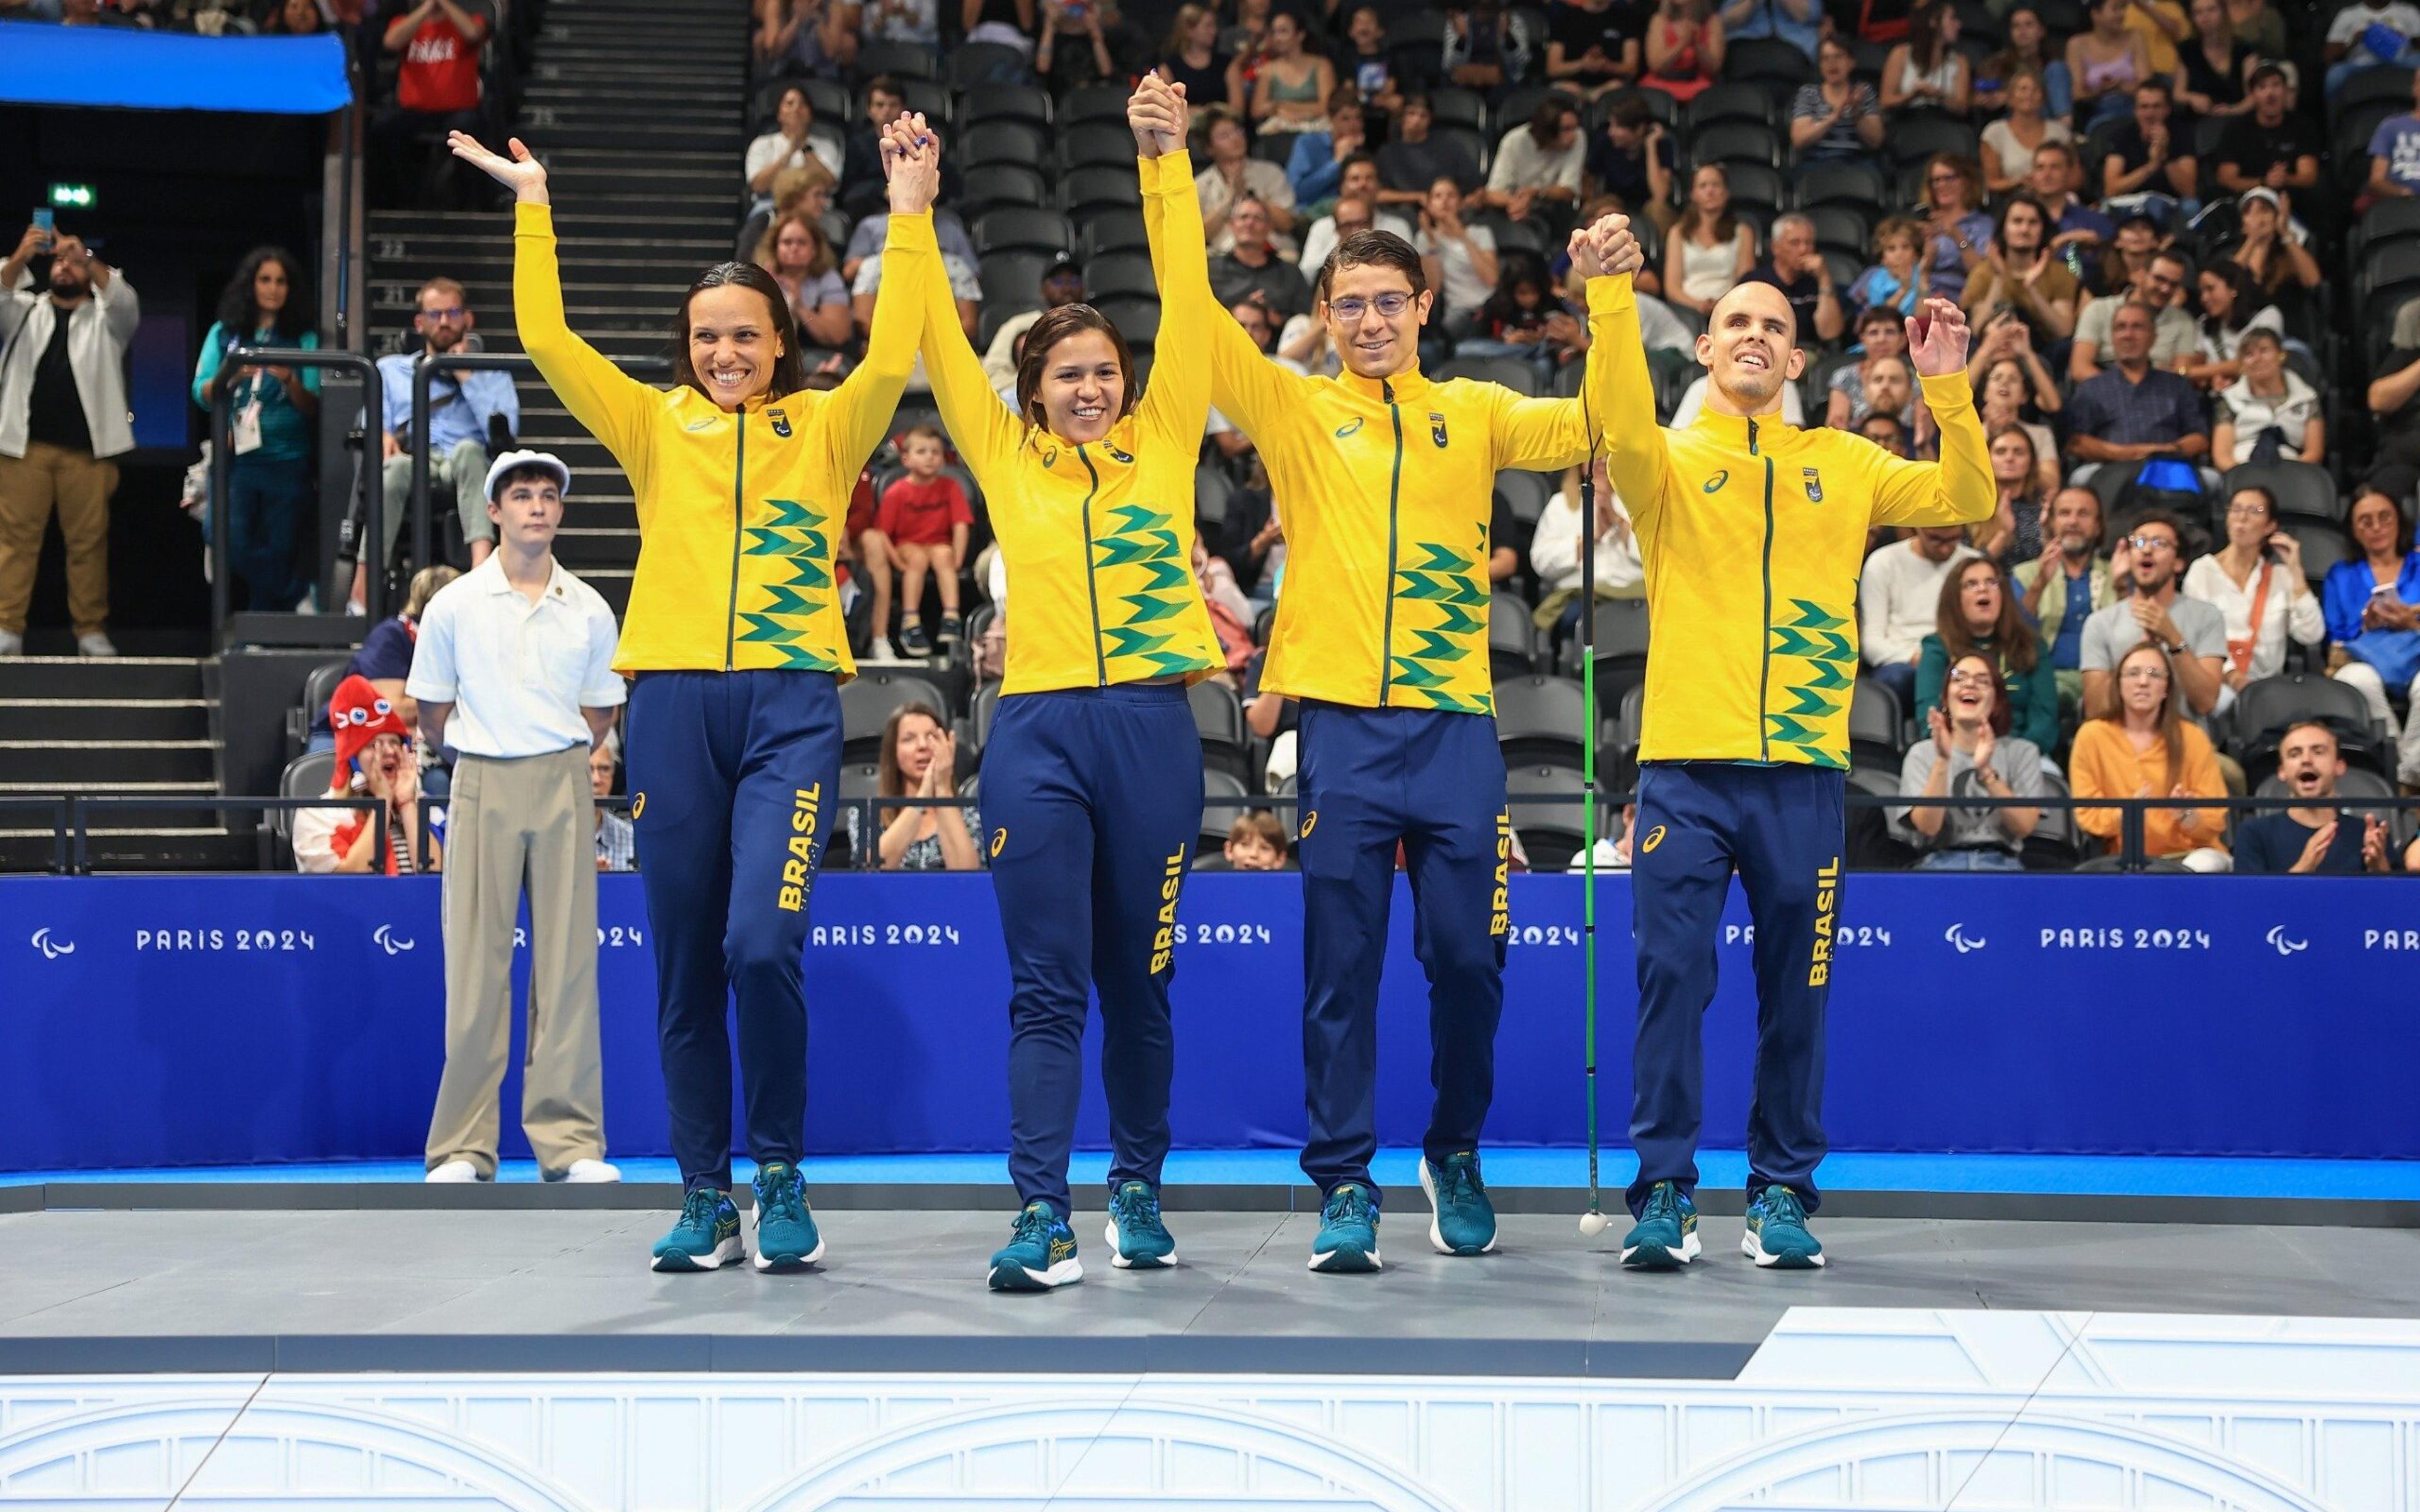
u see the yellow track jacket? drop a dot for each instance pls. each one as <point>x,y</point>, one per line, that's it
<point>1387,489</point>
<point>1753,534</point>
<point>738,511</point>
<point>1099,538</point>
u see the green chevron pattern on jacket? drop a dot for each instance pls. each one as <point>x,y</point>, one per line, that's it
<point>1814,676</point>
<point>1140,563</point>
<point>796,543</point>
<point>1446,587</point>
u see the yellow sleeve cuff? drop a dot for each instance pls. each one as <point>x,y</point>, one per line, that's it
<point>1611,295</point>
<point>1175,170</point>
<point>534,218</point>
<point>911,233</point>
<point>1947,391</point>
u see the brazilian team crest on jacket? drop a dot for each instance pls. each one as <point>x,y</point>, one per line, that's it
<point>1437,428</point>
<point>1814,485</point>
<point>780,422</point>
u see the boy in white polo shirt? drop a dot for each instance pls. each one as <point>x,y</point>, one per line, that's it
<point>514,669</point>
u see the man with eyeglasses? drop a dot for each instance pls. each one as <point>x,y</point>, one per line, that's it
<point>2173,332</point>
<point>465,410</point>
<point>2146,568</point>
<point>1384,479</point>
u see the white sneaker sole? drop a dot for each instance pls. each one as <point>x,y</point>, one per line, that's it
<point>1118,1255</point>
<point>1437,1234</point>
<point>1690,1250</point>
<point>730,1252</point>
<point>765,1262</point>
<point>1347,1262</point>
<point>1752,1246</point>
<point>1066,1273</point>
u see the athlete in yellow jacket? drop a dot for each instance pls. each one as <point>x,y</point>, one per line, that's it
<point>734,634</point>
<point>1384,479</point>
<point>1752,532</point>
<point>1093,768</point>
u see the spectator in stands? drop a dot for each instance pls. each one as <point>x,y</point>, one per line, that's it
<point>1888,432</point>
<point>2105,62</point>
<point>2013,383</point>
<point>1315,170</point>
<point>2370,34</point>
<point>2394,152</point>
<point>2030,50</point>
<point>1899,602</point>
<point>1796,269</point>
<point>2141,746</point>
<point>63,416</point>
<point>903,23</point>
<point>1087,41</point>
<point>1927,71</point>
<point>375,761</point>
<point>2145,157</point>
<point>1523,319</point>
<point>1799,22</point>
<point>2174,334</point>
<point>1591,46</point>
<point>2077,229</point>
<point>1684,49</point>
<point>1460,259</point>
<point>794,251</point>
<point>437,90</point>
<point>1357,210</point>
<point>1957,232</point>
<point>1256,843</point>
<point>1897,277</point>
<point>1230,613</point>
<point>924,520</point>
<point>1886,386</point>
<point>1709,249</point>
<point>2009,143</point>
<point>1295,88</point>
<point>2273,248</point>
<point>617,842</point>
<point>1979,619</point>
<point>920,761</point>
<point>2232,307</point>
<point>1540,163</point>
<point>806,189</point>
<point>791,143</point>
<point>1838,115</point>
<point>2270,414</point>
<point>1881,332</point>
<point>1633,159</point>
<point>2066,585</point>
<point>293,18</point>
<point>1365,63</point>
<point>1252,265</point>
<point>1191,57</point>
<point>1062,283</point>
<point>861,173</point>
<point>861,265</point>
<point>1487,45</point>
<point>2257,22</point>
<point>2018,275</point>
<point>1417,157</point>
<point>2015,534</point>
<point>2269,147</point>
<point>2393,401</point>
<point>2191,635</point>
<point>2133,411</point>
<point>470,411</point>
<point>2369,603</point>
<point>1554,555</point>
<point>1267,715</point>
<point>2255,581</point>
<point>273,410</point>
<point>817,38</point>
<point>1233,175</point>
<point>1972,753</point>
<point>2314,838</point>
<point>2218,65</point>
<point>384,659</point>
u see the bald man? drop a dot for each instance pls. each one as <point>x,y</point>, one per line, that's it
<point>1752,532</point>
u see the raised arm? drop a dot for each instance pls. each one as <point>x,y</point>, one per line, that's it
<point>1178,401</point>
<point>1957,489</point>
<point>865,403</point>
<point>1541,434</point>
<point>1621,393</point>
<point>612,404</point>
<point>984,431</point>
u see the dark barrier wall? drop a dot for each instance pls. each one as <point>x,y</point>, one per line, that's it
<point>175,1020</point>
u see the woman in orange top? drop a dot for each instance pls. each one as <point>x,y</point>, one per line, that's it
<point>2146,749</point>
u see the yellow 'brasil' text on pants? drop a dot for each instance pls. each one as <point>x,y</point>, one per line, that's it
<point>509,821</point>
<point>78,485</point>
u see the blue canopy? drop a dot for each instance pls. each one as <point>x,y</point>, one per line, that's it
<point>41,65</point>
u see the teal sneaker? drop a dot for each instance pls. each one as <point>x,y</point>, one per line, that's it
<point>1777,1233</point>
<point>1465,1221</point>
<point>1666,1235</point>
<point>1040,1253</point>
<point>1348,1231</point>
<point>786,1236</point>
<point>1137,1238</point>
<point>706,1238</point>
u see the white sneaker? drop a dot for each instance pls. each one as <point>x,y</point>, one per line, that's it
<point>587,1172</point>
<point>11,644</point>
<point>453,1172</point>
<point>95,644</point>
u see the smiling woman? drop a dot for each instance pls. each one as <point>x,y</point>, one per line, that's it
<point>742,477</point>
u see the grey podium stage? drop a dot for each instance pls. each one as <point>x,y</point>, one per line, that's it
<point>559,1282</point>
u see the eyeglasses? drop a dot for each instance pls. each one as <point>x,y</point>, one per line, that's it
<point>2150,543</point>
<point>2247,510</point>
<point>2143,674</point>
<point>1972,679</point>
<point>1352,307</point>
<point>454,313</point>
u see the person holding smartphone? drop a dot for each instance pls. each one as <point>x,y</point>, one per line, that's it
<point>2255,581</point>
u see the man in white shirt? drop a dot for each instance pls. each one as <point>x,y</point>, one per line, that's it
<point>1898,603</point>
<point>1357,210</point>
<point>1539,160</point>
<point>1555,554</point>
<point>2363,35</point>
<point>514,669</point>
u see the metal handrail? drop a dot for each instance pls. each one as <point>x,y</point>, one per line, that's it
<point>223,464</point>
<point>75,837</point>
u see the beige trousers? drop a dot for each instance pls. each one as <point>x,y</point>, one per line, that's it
<point>78,485</point>
<point>509,824</point>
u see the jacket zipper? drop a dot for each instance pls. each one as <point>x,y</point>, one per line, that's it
<point>1092,589</point>
<point>1764,658</point>
<point>739,512</point>
<point>1394,497</point>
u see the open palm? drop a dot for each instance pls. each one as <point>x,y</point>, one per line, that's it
<point>521,173</point>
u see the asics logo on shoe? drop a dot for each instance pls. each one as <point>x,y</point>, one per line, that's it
<point>1060,1249</point>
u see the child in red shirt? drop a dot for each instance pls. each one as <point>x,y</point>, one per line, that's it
<point>921,526</point>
